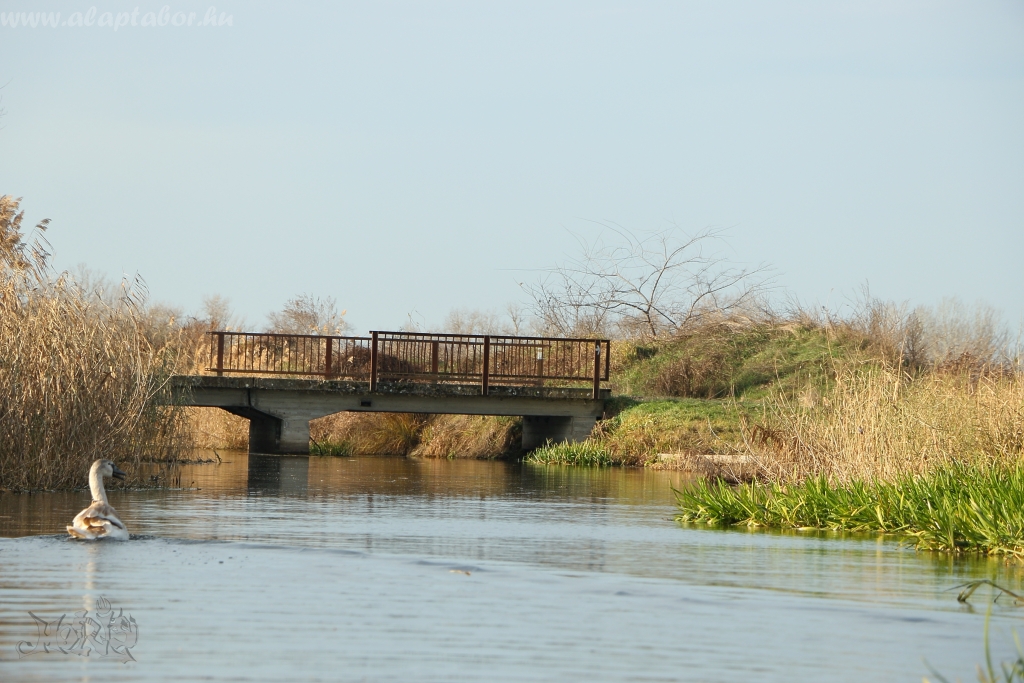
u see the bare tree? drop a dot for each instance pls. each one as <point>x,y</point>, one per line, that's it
<point>517,318</point>
<point>217,314</point>
<point>307,314</point>
<point>643,285</point>
<point>954,329</point>
<point>473,321</point>
<point>512,321</point>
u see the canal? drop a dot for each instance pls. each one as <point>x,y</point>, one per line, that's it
<point>260,568</point>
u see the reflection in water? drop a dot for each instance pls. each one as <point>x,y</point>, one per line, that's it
<point>277,474</point>
<point>273,568</point>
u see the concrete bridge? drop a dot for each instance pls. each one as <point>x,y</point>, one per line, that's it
<point>281,382</point>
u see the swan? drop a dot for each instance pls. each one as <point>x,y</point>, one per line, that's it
<point>99,520</point>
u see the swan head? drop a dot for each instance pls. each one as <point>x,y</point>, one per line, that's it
<point>107,468</point>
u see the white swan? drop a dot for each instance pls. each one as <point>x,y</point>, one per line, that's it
<point>99,520</point>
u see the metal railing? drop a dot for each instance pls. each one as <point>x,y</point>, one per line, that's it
<point>487,360</point>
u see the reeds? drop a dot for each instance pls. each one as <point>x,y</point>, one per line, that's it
<point>956,508</point>
<point>216,428</point>
<point>77,376</point>
<point>878,422</point>
<point>584,453</point>
<point>425,436</point>
<point>469,436</point>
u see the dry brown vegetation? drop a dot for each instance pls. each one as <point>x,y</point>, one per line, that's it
<point>879,422</point>
<point>882,392</point>
<point>426,436</point>
<point>77,374</point>
<point>932,386</point>
<point>216,428</point>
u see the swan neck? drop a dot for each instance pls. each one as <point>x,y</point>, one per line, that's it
<point>96,486</point>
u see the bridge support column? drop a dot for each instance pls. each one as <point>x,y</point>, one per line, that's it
<point>264,434</point>
<point>294,436</point>
<point>272,435</point>
<point>538,430</point>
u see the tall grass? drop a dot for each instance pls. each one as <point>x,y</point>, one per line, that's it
<point>469,436</point>
<point>957,507</point>
<point>216,428</point>
<point>77,376</point>
<point>877,421</point>
<point>894,434</point>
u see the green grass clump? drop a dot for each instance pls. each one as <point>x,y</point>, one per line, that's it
<point>587,452</point>
<point>717,362</point>
<point>332,448</point>
<point>643,429</point>
<point>956,508</point>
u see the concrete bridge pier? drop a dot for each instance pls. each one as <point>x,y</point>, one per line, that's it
<point>289,436</point>
<point>264,434</point>
<point>280,436</point>
<point>271,434</point>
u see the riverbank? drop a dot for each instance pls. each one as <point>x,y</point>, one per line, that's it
<point>850,439</point>
<point>836,405</point>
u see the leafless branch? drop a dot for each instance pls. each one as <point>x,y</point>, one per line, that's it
<point>308,314</point>
<point>642,284</point>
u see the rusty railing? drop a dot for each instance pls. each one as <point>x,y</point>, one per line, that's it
<point>289,354</point>
<point>487,360</point>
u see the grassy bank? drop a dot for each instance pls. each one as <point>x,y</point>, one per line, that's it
<point>830,427</point>
<point>638,431</point>
<point>956,507</point>
<point>877,422</point>
<point>77,375</point>
<point>803,400</point>
<point>700,393</point>
<point>741,360</point>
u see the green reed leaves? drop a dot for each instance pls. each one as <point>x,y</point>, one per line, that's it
<point>587,452</point>
<point>956,508</point>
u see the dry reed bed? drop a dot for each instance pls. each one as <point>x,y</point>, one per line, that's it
<point>878,423</point>
<point>77,376</point>
<point>216,428</point>
<point>425,436</point>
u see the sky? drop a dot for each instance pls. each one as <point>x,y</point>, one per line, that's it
<point>408,158</point>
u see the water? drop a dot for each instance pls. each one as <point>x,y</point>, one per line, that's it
<point>388,569</point>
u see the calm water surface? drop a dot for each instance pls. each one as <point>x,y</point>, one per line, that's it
<point>390,569</point>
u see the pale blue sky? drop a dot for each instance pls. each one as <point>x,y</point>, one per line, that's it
<point>409,156</point>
